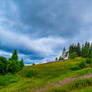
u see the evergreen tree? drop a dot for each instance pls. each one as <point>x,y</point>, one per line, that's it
<point>14,55</point>
<point>78,49</point>
<point>70,49</point>
<point>12,65</point>
<point>64,52</point>
<point>73,55</point>
<point>3,65</point>
<point>61,58</point>
<point>90,52</point>
<point>85,50</point>
<point>22,63</point>
<point>56,59</point>
<point>82,50</point>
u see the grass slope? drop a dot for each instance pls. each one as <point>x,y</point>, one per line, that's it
<point>43,74</point>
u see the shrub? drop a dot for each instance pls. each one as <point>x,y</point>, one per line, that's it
<point>82,64</point>
<point>30,73</point>
<point>3,65</point>
<point>73,55</point>
<point>61,58</point>
<point>88,60</point>
<point>56,59</point>
<point>76,67</point>
<point>7,79</point>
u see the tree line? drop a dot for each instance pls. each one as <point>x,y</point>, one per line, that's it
<point>77,50</point>
<point>11,65</point>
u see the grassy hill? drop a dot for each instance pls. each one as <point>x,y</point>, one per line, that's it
<point>63,76</point>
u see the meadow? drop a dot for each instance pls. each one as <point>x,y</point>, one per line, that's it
<point>49,78</point>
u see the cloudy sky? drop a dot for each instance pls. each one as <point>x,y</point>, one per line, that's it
<point>39,29</point>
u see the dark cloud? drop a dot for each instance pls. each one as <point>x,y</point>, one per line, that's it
<point>40,29</point>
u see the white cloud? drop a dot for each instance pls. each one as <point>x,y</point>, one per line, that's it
<point>9,54</point>
<point>4,53</point>
<point>26,58</point>
<point>45,45</point>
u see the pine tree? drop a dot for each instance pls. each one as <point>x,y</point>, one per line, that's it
<point>56,59</point>
<point>64,52</point>
<point>14,55</point>
<point>72,49</point>
<point>90,52</point>
<point>22,63</point>
<point>78,49</point>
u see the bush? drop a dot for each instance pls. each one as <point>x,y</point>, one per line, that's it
<point>61,58</point>
<point>73,55</point>
<point>82,64</point>
<point>76,67</point>
<point>30,73</point>
<point>7,79</point>
<point>3,65</point>
<point>88,60</point>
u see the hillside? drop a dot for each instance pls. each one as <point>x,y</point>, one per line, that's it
<point>49,78</point>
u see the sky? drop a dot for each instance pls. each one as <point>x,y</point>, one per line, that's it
<point>39,29</point>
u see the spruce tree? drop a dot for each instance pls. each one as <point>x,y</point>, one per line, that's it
<point>14,55</point>
<point>90,52</point>
<point>64,52</point>
<point>22,63</point>
<point>78,49</point>
<point>56,59</point>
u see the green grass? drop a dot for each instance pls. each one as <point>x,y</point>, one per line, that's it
<point>42,74</point>
<point>86,89</point>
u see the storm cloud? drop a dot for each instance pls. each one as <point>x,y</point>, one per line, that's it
<point>40,29</point>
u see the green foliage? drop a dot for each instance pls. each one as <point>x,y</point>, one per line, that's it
<point>7,79</point>
<point>14,55</point>
<point>21,63</point>
<point>63,52</point>
<point>73,55</point>
<point>89,61</point>
<point>75,48</point>
<point>12,65</point>
<point>61,58</point>
<point>75,67</point>
<point>84,51</point>
<point>3,65</point>
<point>30,73</point>
<point>90,51</point>
<point>56,59</point>
<point>82,64</point>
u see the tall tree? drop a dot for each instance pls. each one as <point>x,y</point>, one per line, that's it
<point>64,53</point>
<point>22,63</point>
<point>78,49</point>
<point>14,55</point>
<point>90,51</point>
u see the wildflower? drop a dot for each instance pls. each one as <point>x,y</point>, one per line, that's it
<point>56,85</point>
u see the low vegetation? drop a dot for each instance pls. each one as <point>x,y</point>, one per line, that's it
<point>40,76</point>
